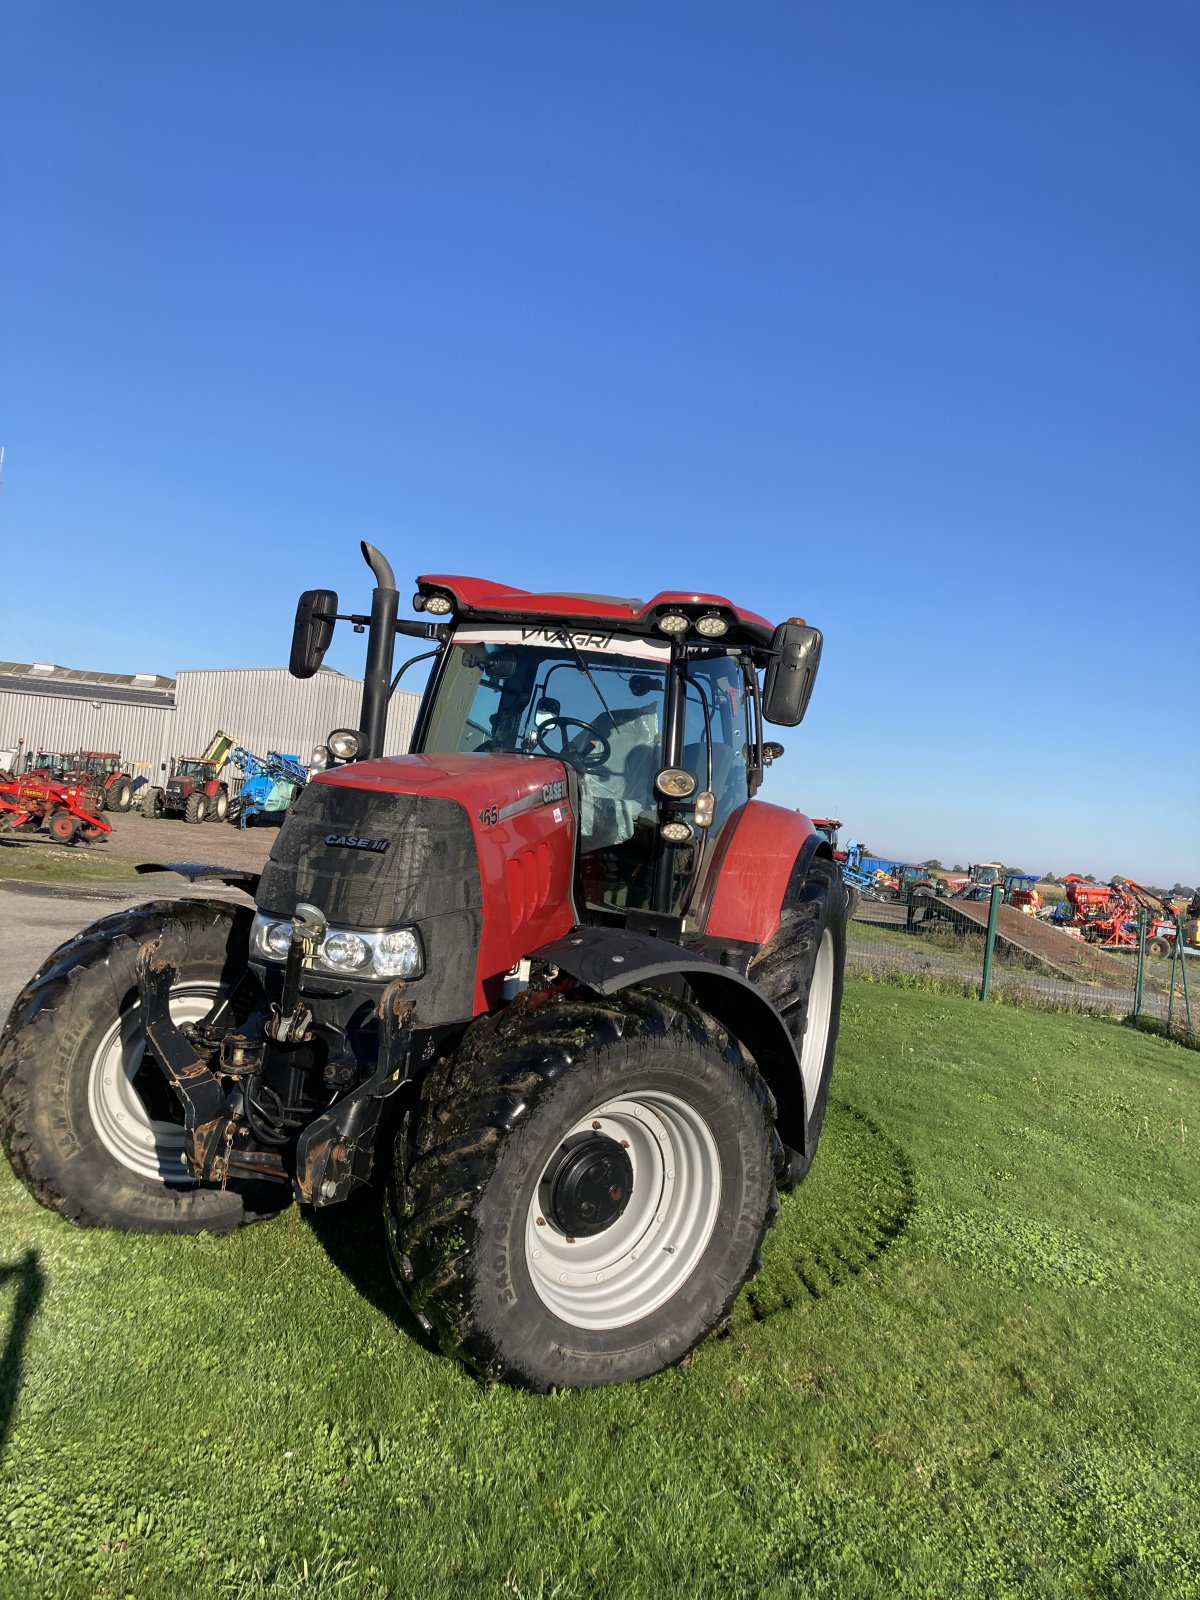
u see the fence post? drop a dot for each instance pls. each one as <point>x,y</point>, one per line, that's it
<point>1140,980</point>
<point>989,944</point>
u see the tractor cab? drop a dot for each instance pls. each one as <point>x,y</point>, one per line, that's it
<point>597,705</point>
<point>193,767</point>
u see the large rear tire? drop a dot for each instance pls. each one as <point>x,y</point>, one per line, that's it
<point>91,1129</point>
<point>120,796</point>
<point>801,970</point>
<point>586,1192</point>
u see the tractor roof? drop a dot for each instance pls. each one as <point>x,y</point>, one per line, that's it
<point>478,600</point>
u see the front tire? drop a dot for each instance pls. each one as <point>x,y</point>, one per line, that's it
<point>219,809</point>
<point>152,803</point>
<point>591,1184</point>
<point>195,809</point>
<point>91,1129</point>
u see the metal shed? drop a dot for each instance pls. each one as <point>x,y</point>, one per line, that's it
<point>150,719</point>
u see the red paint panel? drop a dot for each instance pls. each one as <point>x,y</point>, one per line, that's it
<point>755,872</point>
<point>526,859</point>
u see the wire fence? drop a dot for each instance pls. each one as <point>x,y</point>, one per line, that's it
<point>998,952</point>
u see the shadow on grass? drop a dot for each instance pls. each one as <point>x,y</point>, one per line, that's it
<point>30,1287</point>
<point>352,1236</point>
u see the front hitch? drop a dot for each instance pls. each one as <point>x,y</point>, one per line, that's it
<point>336,1154</point>
<point>216,1142</point>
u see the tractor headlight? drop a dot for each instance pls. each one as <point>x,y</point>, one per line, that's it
<point>345,952</point>
<point>398,954</point>
<point>345,743</point>
<point>277,939</point>
<point>391,953</point>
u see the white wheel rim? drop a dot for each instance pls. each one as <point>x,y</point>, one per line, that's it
<point>144,1145</point>
<point>820,1014</point>
<point>613,1278</point>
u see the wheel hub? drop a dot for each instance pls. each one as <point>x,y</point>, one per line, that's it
<point>587,1189</point>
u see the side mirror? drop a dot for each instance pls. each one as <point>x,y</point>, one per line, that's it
<point>315,616</point>
<point>792,674</point>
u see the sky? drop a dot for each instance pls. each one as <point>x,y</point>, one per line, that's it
<point>884,315</point>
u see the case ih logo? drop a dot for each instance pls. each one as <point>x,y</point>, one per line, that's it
<point>351,841</point>
<point>554,791</point>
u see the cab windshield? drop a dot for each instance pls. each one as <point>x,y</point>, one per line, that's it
<point>193,769</point>
<point>599,710</point>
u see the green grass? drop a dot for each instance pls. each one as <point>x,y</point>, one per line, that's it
<point>77,863</point>
<point>969,1368</point>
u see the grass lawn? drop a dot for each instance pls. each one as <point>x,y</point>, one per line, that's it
<point>969,1368</point>
<point>62,864</point>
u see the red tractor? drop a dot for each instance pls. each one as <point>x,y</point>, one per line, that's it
<point>194,790</point>
<point>113,786</point>
<point>557,982</point>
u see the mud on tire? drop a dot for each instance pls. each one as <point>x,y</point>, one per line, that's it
<point>91,1130</point>
<point>544,1111</point>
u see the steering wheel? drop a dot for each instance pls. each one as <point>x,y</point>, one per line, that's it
<point>590,753</point>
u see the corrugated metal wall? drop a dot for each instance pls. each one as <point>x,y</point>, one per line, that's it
<point>47,721</point>
<point>263,709</point>
<point>267,709</point>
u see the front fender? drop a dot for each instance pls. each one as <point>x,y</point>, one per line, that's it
<point>610,959</point>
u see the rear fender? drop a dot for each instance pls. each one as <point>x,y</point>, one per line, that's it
<point>608,960</point>
<point>761,857</point>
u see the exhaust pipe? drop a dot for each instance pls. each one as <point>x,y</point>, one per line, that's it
<point>381,646</point>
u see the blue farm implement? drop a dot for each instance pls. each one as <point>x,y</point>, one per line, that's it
<point>272,782</point>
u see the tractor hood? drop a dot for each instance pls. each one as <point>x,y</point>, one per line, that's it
<point>476,850</point>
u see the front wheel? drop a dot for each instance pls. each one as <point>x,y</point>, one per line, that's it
<point>195,808</point>
<point>219,806</point>
<point>91,1127</point>
<point>588,1191</point>
<point>152,802</point>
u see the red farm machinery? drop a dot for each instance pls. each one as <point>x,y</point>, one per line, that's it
<point>66,810</point>
<point>111,784</point>
<point>1112,915</point>
<point>557,983</point>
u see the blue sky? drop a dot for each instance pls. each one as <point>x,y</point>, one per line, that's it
<point>881,314</point>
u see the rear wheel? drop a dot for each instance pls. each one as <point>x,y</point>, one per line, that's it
<point>91,1127</point>
<point>121,796</point>
<point>195,808</point>
<point>588,1189</point>
<point>801,971</point>
<point>1158,947</point>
